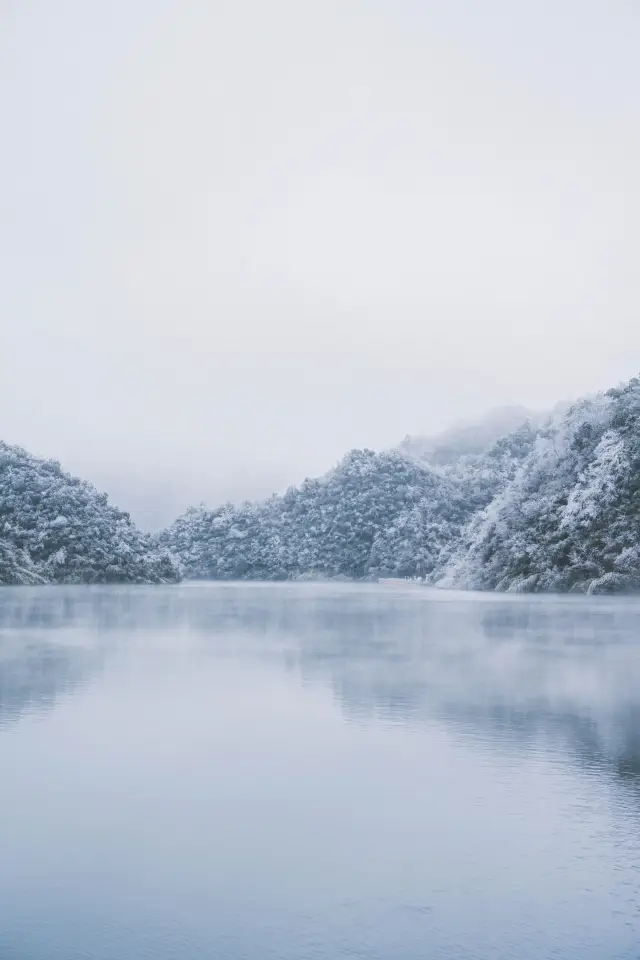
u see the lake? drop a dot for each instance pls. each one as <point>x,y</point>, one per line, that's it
<point>318,772</point>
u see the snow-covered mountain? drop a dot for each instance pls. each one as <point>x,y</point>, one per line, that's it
<point>375,514</point>
<point>569,519</point>
<point>550,504</point>
<point>516,502</point>
<point>57,528</point>
<point>389,514</point>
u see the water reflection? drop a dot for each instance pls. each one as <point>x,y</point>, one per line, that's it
<point>525,670</point>
<point>33,675</point>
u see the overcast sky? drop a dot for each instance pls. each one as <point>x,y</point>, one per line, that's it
<point>238,238</point>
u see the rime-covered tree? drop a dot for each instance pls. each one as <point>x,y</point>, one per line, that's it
<point>57,528</point>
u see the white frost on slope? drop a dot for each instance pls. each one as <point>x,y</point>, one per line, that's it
<point>597,483</point>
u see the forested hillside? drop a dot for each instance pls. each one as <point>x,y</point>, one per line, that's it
<point>553,505</point>
<point>57,528</point>
<point>569,520</point>
<point>374,515</point>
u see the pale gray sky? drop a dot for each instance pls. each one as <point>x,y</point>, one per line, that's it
<point>239,238</point>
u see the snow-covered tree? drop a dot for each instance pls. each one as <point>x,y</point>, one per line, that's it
<point>553,504</point>
<point>570,517</point>
<point>373,514</point>
<point>57,528</point>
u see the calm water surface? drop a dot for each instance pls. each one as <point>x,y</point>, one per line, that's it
<point>296,772</point>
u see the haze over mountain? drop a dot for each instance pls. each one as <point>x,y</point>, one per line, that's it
<point>240,239</point>
<point>469,437</point>
<point>552,505</point>
<point>155,498</point>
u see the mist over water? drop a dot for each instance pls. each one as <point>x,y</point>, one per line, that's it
<point>286,771</point>
<point>250,243</point>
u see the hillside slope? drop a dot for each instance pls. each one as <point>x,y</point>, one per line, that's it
<point>373,515</point>
<point>569,520</point>
<point>553,505</point>
<point>57,528</point>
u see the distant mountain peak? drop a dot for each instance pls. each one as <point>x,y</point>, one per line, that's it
<point>469,437</point>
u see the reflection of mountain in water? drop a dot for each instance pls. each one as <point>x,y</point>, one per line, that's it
<point>520,670</point>
<point>43,656</point>
<point>37,674</point>
<point>525,674</point>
